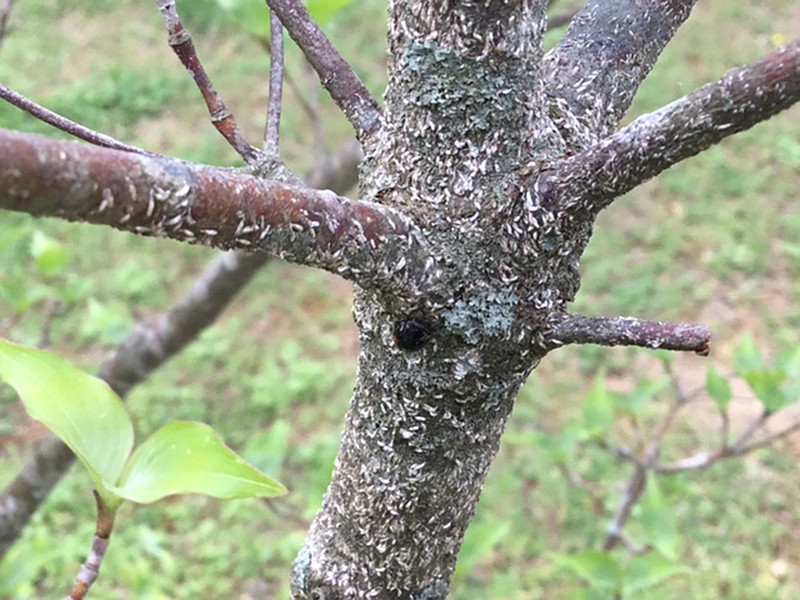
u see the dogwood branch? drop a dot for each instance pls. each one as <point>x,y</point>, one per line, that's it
<point>64,124</point>
<point>629,331</point>
<point>336,76</point>
<point>594,71</point>
<point>656,141</point>
<point>219,207</point>
<point>181,43</point>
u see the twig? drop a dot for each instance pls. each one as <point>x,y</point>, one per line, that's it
<point>634,488</point>
<point>91,567</point>
<point>181,43</point>
<point>704,460</point>
<point>66,125</point>
<point>5,13</point>
<point>629,331</point>
<point>591,180</point>
<point>770,439</point>
<point>310,111</point>
<point>344,86</point>
<point>750,430</point>
<point>272,128</point>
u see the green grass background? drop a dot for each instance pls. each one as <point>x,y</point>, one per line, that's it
<point>716,239</point>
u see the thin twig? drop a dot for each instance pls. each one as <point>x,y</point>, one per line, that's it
<point>704,460</point>
<point>91,567</point>
<point>770,439</point>
<point>750,430</point>
<point>272,128</point>
<point>629,331</point>
<point>181,43</point>
<point>634,488</point>
<point>66,125</point>
<point>310,111</point>
<point>344,86</point>
<point>5,13</point>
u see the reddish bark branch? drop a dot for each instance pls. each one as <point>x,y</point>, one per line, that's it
<point>218,207</point>
<point>336,76</point>
<point>653,143</point>
<point>628,331</point>
<point>181,43</point>
<point>66,125</point>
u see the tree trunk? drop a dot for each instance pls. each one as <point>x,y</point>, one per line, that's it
<point>461,130</point>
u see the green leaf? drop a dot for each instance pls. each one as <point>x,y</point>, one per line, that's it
<point>324,10</point>
<point>646,571</point>
<point>266,450</point>
<point>642,394</point>
<point>599,569</point>
<point>479,541</point>
<point>718,387</point>
<point>768,387</point>
<point>747,357</point>
<point>658,520</point>
<point>598,408</point>
<point>50,256</point>
<point>789,362</point>
<point>250,15</point>
<point>559,445</point>
<point>190,458</point>
<point>80,409</point>
<point>105,323</point>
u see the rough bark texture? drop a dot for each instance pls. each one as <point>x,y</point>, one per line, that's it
<point>423,427</point>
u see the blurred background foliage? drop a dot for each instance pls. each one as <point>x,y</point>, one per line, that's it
<point>716,239</point>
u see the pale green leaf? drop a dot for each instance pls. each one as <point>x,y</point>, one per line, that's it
<point>598,408</point>
<point>645,571</point>
<point>49,254</point>
<point>658,519</point>
<point>190,458</point>
<point>250,15</point>
<point>598,569</point>
<point>718,387</point>
<point>81,410</point>
<point>324,10</point>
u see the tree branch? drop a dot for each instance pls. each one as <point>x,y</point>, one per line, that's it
<point>219,207</point>
<point>66,125</point>
<point>629,331</point>
<point>181,43</point>
<point>344,86</point>
<point>151,344</point>
<point>593,73</point>
<point>5,13</point>
<point>272,128</point>
<point>654,142</point>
